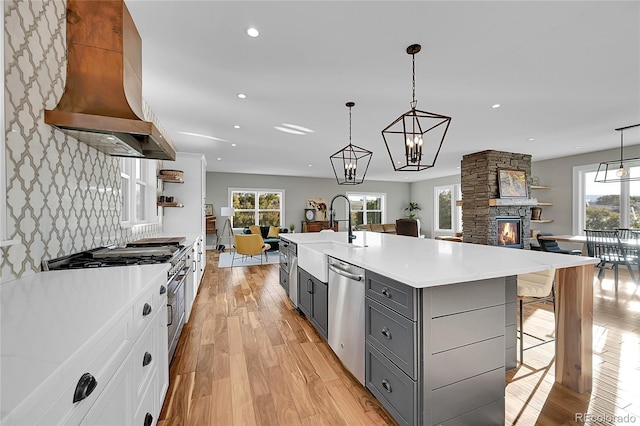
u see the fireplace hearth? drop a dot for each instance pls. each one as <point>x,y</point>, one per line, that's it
<point>509,232</point>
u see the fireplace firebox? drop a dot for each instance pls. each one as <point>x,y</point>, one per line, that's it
<point>509,231</point>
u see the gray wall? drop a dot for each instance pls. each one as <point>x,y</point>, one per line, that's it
<point>298,189</point>
<point>422,193</point>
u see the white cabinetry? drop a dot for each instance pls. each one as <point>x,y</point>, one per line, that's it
<point>85,347</point>
<point>188,221</point>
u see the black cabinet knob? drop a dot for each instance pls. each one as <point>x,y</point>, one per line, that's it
<point>148,419</point>
<point>163,289</point>
<point>386,385</point>
<point>385,292</point>
<point>386,332</point>
<point>146,309</point>
<point>85,386</point>
<point>146,359</point>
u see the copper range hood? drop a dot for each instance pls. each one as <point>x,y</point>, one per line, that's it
<point>102,102</point>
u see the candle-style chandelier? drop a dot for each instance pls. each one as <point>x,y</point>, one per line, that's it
<point>418,134</point>
<point>351,163</point>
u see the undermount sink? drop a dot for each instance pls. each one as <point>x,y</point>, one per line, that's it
<point>311,257</point>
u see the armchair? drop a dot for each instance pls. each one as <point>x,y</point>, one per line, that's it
<point>249,245</point>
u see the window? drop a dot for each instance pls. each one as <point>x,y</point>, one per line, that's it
<point>599,205</point>
<point>447,217</point>
<point>367,208</point>
<point>257,207</point>
<point>137,191</point>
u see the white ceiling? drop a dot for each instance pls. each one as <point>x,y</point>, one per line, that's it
<point>566,73</point>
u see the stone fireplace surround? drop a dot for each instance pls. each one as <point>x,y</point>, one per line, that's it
<point>479,185</point>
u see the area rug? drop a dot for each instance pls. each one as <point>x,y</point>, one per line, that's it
<point>225,259</point>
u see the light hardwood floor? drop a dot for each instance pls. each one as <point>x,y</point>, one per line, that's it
<point>246,358</point>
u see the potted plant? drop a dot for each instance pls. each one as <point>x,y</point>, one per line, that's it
<point>411,208</point>
<point>292,228</point>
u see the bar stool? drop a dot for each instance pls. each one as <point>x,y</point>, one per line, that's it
<point>537,286</point>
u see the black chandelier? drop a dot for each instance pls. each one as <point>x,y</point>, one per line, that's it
<point>352,161</point>
<point>625,169</point>
<point>418,134</point>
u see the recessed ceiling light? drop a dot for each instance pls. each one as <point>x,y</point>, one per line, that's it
<point>202,136</point>
<point>233,144</point>
<point>310,165</point>
<point>531,139</point>
<point>577,147</point>
<point>242,95</point>
<point>236,127</point>
<point>252,32</point>
<point>494,106</point>
<point>219,159</point>
<point>296,127</point>
<point>286,130</point>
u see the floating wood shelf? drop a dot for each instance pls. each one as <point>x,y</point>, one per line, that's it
<point>170,205</point>
<point>458,203</point>
<point>540,187</point>
<point>513,202</point>
<point>170,179</point>
<point>542,221</point>
<point>540,203</point>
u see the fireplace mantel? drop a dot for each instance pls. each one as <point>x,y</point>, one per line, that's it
<point>513,202</point>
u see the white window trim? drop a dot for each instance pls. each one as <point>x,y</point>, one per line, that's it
<point>4,241</point>
<point>579,193</point>
<point>150,202</point>
<point>230,192</point>
<point>455,210</point>
<point>383,209</point>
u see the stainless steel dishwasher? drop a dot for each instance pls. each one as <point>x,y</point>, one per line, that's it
<point>346,315</point>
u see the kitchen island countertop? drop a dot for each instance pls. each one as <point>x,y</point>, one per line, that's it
<point>424,262</point>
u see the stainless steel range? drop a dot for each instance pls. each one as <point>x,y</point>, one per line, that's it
<point>141,254</point>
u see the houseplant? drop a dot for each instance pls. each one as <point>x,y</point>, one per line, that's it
<point>411,208</point>
<point>292,228</point>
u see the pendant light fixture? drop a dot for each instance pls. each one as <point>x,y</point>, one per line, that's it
<point>351,163</point>
<point>414,139</point>
<point>625,169</point>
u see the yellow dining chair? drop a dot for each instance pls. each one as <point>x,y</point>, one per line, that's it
<point>250,245</point>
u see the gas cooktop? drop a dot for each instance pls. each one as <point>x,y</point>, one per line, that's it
<point>113,256</point>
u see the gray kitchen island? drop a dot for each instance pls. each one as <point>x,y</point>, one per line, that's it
<point>439,321</point>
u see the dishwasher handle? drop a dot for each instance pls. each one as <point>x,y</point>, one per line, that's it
<point>349,275</point>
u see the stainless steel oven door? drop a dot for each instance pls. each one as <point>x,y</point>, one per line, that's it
<point>175,306</point>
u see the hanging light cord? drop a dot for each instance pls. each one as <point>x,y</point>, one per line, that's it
<point>349,125</point>
<point>413,80</point>
<point>621,146</point>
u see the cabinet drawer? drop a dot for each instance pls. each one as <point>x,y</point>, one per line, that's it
<point>462,329</point>
<point>461,297</point>
<point>145,358</point>
<point>490,414</point>
<point>147,408</point>
<point>284,280</point>
<point>456,399</point>
<point>394,389</point>
<point>468,361</point>
<point>145,308</point>
<point>105,352</point>
<point>393,335</point>
<point>393,294</point>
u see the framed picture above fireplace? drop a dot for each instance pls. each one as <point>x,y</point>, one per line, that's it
<point>512,183</point>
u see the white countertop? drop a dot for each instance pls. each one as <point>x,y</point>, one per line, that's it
<point>424,262</point>
<point>48,316</point>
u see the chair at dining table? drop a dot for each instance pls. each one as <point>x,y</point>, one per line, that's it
<point>606,244</point>
<point>552,245</point>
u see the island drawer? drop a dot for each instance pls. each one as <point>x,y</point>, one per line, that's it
<point>394,389</point>
<point>393,294</point>
<point>392,334</point>
<point>284,280</point>
<point>461,297</point>
<point>454,331</point>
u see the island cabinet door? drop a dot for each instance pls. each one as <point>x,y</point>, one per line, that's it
<point>320,305</point>
<point>305,292</point>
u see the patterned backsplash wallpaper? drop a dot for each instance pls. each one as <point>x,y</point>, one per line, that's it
<point>62,196</point>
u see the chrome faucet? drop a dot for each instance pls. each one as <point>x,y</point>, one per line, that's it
<point>351,236</point>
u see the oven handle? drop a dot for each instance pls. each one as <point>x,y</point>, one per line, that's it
<point>170,315</point>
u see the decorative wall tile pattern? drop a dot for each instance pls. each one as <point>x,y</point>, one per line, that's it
<point>62,196</point>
